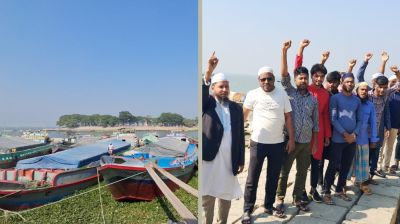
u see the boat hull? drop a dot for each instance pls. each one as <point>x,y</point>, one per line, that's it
<point>141,186</point>
<point>21,199</point>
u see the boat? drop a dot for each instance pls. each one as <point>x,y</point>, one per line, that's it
<point>132,182</point>
<point>13,149</point>
<point>49,178</point>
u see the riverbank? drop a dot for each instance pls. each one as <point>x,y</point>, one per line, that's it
<point>126,128</point>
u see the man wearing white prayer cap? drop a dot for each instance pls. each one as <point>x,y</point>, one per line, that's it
<point>271,111</point>
<point>223,146</point>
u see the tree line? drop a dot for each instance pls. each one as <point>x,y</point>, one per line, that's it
<point>124,118</point>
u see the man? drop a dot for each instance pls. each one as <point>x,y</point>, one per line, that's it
<point>346,117</point>
<point>305,118</point>
<point>271,110</point>
<point>223,146</point>
<point>332,82</point>
<point>318,72</point>
<point>366,140</point>
<point>110,149</point>
<point>378,95</point>
<point>394,108</point>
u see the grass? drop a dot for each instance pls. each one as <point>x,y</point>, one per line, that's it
<point>87,209</point>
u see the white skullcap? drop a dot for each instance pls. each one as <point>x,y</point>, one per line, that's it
<point>376,75</point>
<point>265,70</point>
<point>393,77</point>
<point>219,77</point>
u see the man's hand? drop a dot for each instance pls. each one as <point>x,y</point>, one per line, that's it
<point>385,56</point>
<point>304,43</point>
<point>349,138</point>
<point>314,148</point>
<point>367,57</point>
<point>394,69</point>
<point>212,64</point>
<point>387,133</point>
<point>327,142</point>
<point>290,146</point>
<point>325,55</point>
<point>372,145</point>
<point>352,62</point>
<point>240,169</point>
<point>286,45</point>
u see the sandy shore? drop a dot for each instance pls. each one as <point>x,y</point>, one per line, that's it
<point>127,128</point>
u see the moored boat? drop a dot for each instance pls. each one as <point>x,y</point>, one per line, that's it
<point>13,149</point>
<point>49,178</point>
<point>132,182</point>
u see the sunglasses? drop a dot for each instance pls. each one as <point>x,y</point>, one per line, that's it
<point>269,79</point>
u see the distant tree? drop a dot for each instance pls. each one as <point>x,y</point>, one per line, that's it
<point>125,117</point>
<point>169,119</point>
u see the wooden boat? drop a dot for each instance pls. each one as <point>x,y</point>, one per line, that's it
<point>9,157</point>
<point>49,178</point>
<point>134,183</point>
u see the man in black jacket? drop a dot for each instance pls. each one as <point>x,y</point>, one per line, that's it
<point>223,146</point>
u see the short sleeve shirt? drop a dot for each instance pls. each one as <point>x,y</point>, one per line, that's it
<point>269,110</point>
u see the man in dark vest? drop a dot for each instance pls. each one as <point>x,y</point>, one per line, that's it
<point>223,146</point>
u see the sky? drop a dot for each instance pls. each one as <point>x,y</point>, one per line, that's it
<point>96,57</point>
<point>247,35</point>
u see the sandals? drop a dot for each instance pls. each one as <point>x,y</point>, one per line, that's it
<point>343,196</point>
<point>328,199</point>
<point>279,213</point>
<point>302,206</point>
<point>246,219</point>
<point>365,189</point>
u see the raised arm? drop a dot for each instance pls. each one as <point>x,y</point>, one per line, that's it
<point>396,71</point>
<point>212,64</point>
<point>361,70</point>
<point>325,56</point>
<point>299,56</point>
<point>284,66</point>
<point>385,58</point>
<point>352,63</point>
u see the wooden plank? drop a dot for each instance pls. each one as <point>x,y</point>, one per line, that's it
<point>186,215</point>
<point>180,183</point>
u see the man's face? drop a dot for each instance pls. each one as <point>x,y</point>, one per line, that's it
<point>318,78</point>
<point>348,84</point>
<point>392,82</point>
<point>380,89</point>
<point>266,81</point>
<point>221,89</point>
<point>362,91</point>
<point>301,81</point>
<point>333,85</point>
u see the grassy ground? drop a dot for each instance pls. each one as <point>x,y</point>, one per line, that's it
<point>87,209</point>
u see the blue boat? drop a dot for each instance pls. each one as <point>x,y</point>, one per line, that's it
<point>49,178</point>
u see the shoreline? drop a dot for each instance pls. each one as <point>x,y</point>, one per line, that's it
<point>126,128</point>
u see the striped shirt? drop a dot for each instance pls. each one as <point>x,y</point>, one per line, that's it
<point>305,112</point>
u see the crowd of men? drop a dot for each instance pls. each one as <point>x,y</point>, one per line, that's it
<point>353,126</point>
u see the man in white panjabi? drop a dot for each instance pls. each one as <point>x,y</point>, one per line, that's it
<point>223,146</point>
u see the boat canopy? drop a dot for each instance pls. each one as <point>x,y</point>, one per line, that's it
<point>73,158</point>
<point>167,146</point>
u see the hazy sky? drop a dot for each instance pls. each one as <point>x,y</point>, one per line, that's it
<point>249,34</point>
<point>94,56</point>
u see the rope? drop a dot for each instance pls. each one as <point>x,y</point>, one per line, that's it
<point>64,199</point>
<point>101,200</point>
